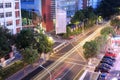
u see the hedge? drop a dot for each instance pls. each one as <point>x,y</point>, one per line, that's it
<point>8,71</point>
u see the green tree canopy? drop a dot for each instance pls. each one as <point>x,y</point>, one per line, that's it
<point>5,38</point>
<point>115,22</point>
<point>90,49</point>
<point>43,43</point>
<point>25,38</point>
<point>79,16</point>
<point>107,30</point>
<point>30,55</point>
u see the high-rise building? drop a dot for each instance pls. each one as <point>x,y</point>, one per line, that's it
<point>42,8</point>
<point>10,15</point>
<point>47,9</point>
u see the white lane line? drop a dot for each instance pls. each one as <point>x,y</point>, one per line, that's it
<point>67,71</point>
<point>74,63</point>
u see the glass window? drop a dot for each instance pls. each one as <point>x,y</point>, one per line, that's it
<point>17,5</point>
<point>8,14</point>
<point>1,15</point>
<point>17,14</point>
<point>9,23</point>
<point>18,22</point>
<point>1,5</point>
<point>7,5</point>
<point>27,0</point>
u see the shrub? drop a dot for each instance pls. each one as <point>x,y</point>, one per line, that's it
<point>8,71</point>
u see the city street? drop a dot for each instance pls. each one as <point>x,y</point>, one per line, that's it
<point>63,50</point>
<point>71,60</point>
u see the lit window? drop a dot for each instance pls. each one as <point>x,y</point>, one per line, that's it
<point>18,22</point>
<point>7,5</point>
<point>8,14</point>
<point>1,15</point>
<point>9,23</point>
<point>17,5</point>
<point>17,14</point>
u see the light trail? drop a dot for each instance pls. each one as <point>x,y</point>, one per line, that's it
<point>61,59</point>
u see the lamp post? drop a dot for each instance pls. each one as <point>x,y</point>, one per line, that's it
<point>47,71</point>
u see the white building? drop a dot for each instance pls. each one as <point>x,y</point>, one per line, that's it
<point>10,15</point>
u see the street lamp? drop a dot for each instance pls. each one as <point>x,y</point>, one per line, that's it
<point>50,40</point>
<point>47,71</point>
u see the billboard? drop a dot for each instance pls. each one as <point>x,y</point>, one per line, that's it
<point>61,19</point>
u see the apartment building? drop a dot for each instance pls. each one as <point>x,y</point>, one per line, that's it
<point>10,15</point>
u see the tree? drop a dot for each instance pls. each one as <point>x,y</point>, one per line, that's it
<point>5,38</point>
<point>79,16</point>
<point>107,30</point>
<point>115,22</point>
<point>43,43</point>
<point>106,8</point>
<point>30,55</point>
<point>90,49</point>
<point>101,41</point>
<point>24,38</point>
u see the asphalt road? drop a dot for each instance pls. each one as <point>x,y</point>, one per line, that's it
<point>72,55</point>
<point>65,64</point>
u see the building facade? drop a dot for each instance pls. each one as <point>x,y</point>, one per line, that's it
<point>10,15</point>
<point>42,8</point>
<point>47,9</point>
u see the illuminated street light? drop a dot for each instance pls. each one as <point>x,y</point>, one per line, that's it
<point>50,40</point>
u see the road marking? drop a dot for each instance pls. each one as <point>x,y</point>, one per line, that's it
<point>79,52</point>
<point>75,63</point>
<point>67,71</point>
<point>59,71</point>
<point>55,64</point>
<point>79,73</point>
<point>69,59</point>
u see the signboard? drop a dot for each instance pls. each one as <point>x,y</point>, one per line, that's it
<point>61,19</point>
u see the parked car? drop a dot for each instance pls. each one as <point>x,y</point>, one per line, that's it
<point>102,76</point>
<point>107,61</point>
<point>103,67</point>
<point>108,57</point>
<point>110,54</point>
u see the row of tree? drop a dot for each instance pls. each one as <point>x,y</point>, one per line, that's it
<point>86,15</point>
<point>81,20</point>
<point>92,48</point>
<point>29,42</point>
